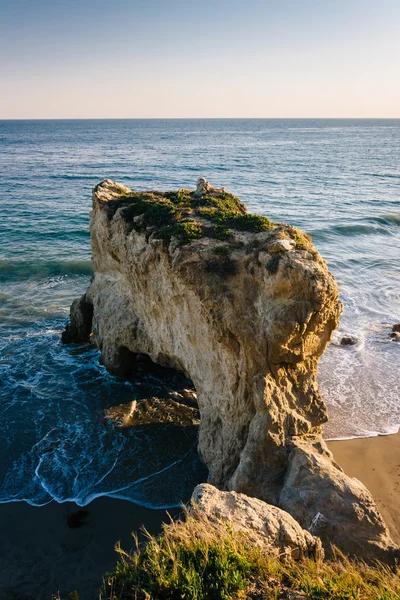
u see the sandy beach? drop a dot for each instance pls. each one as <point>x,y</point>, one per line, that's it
<point>375,462</point>
<point>41,554</point>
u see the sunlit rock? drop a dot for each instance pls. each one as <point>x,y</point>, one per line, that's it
<point>188,279</point>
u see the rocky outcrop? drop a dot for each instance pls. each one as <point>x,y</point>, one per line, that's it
<point>152,410</point>
<point>80,325</point>
<point>317,487</point>
<point>348,340</point>
<point>245,308</point>
<point>264,525</point>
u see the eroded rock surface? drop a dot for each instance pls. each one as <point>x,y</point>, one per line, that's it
<point>245,308</point>
<point>264,525</point>
<point>316,485</point>
<point>153,410</point>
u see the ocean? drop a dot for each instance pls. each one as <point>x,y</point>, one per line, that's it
<point>338,180</point>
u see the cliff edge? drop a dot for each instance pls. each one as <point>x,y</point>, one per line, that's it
<point>245,308</point>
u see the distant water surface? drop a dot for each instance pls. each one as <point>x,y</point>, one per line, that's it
<point>339,180</point>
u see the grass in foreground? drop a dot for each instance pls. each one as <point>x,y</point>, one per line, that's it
<point>195,560</point>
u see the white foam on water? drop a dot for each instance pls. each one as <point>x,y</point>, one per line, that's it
<point>389,431</point>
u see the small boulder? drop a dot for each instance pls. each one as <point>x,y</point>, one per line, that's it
<point>395,336</point>
<point>80,326</point>
<point>348,340</point>
<point>281,246</point>
<point>202,186</point>
<point>396,328</point>
<point>264,525</point>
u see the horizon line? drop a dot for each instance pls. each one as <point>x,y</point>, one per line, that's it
<point>200,118</point>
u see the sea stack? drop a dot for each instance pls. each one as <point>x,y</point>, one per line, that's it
<point>245,308</point>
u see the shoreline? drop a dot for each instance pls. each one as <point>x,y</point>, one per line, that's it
<point>396,429</point>
<point>43,552</point>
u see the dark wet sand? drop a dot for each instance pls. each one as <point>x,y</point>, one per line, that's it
<point>375,462</point>
<point>41,555</point>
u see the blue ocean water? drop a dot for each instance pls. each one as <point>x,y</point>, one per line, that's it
<point>339,180</point>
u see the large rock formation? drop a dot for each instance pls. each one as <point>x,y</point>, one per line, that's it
<point>245,308</point>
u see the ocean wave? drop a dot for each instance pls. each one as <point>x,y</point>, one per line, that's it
<point>358,229</point>
<point>391,220</point>
<point>35,238</point>
<point>390,430</point>
<point>381,224</point>
<point>384,175</point>
<point>25,269</point>
<point>76,176</point>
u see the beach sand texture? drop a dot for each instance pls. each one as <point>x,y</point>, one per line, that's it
<point>40,555</point>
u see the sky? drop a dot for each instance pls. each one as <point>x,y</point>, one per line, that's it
<point>187,59</point>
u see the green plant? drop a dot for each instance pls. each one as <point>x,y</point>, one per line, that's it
<point>223,202</point>
<point>250,222</point>
<point>195,559</point>
<point>176,214</point>
<point>236,219</point>
<point>303,241</point>
<point>174,566</point>
<point>219,232</point>
<point>186,231</point>
<point>222,251</point>
<point>181,197</point>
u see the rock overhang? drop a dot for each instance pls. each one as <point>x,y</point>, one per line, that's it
<point>245,308</point>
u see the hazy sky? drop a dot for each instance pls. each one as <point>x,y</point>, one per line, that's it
<point>180,58</point>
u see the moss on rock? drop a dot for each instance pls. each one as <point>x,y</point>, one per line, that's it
<point>185,215</point>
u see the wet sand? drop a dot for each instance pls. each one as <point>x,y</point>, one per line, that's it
<point>375,462</point>
<point>41,555</point>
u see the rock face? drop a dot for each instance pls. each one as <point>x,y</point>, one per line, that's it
<point>245,308</point>
<point>264,525</point>
<point>315,484</point>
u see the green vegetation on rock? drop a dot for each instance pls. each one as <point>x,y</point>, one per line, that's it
<point>195,559</point>
<point>187,216</point>
<point>185,230</point>
<point>303,241</point>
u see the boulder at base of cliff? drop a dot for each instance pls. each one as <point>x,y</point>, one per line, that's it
<point>264,525</point>
<point>80,326</point>
<point>337,508</point>
<point>348,340</point>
